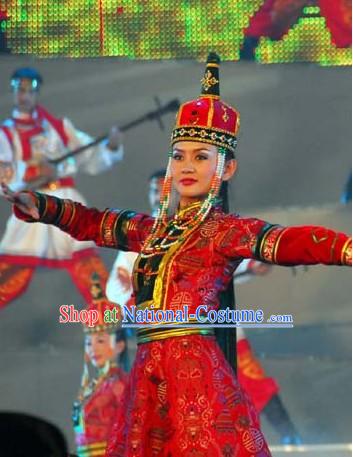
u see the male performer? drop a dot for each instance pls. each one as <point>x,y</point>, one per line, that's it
<point>28,139</point>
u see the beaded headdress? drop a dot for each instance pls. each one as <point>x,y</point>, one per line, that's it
<point>108,314</point>
<point>207,119</point>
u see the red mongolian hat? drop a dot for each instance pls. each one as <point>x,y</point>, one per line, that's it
<point>102,310</point>
<point>208,119</point>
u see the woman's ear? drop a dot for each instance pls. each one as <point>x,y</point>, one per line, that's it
<point>230,168</point>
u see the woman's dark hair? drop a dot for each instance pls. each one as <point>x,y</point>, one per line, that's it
<point>227,337</point>
<point>123,360</point>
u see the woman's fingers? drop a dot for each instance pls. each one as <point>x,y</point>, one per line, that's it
<point>24,201</point>
<point>34,213</point>
<point>8,194</point>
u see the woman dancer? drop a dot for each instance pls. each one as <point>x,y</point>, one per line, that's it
<point>183,398</point>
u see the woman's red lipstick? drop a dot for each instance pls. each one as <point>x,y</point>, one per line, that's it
<point>187,181</point>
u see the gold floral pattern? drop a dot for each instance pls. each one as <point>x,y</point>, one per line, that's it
<point>183,399</point>
<point>208,81</point>
<point>346,257</point>
<point>269,243</point>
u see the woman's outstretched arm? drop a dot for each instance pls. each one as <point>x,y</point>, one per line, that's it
<point>304,245</point>
<point>122,229</point>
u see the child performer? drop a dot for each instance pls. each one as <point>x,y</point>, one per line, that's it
<point>104,379</point>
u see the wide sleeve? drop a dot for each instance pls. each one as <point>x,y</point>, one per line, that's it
<point>121,229</point>
<point>304,245</point>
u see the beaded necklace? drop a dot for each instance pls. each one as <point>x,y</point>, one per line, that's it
<point>163,233</point>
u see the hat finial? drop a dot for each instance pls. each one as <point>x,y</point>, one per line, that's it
<point>210,80</point>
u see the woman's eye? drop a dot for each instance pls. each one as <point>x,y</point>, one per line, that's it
<point>201,157</point>
<point>177,156</point>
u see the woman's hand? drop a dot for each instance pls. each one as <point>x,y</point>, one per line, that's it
<point>24,201</point>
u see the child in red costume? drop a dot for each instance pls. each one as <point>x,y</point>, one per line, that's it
<point>103,382</point>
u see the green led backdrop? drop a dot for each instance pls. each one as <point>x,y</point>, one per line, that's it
<point>163,29</point>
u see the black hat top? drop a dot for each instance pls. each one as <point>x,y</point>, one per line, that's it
<point>210,80</point>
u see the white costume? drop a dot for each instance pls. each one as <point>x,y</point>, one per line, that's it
<point>117,290</point>
<point>36,244</point>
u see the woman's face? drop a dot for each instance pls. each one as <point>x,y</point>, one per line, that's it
<point>100,348</point>
<point>193,167</point>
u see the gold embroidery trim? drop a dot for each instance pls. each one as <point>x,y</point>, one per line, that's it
<point>264,240</point>
<point>205,140</point>
<point>183,211</point>
<point>91,447</point>
<point>346,252</point>
<point>146,336</point>
<point>277,244</point>
<point>62,211</point>
<point>101,228</point>
<point>332,249</point>
<point>107,234</point>
<point>45,207</point>
<point>215,97</point>
<point>210,114</point>
<point>214,129</point>
<point>73,209</point>
<point>316,239</point>
<point>114,231</point>
<point>237,113</point>
<point>237,124</point>
<point>225,116</point>
<point>208,80</point>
